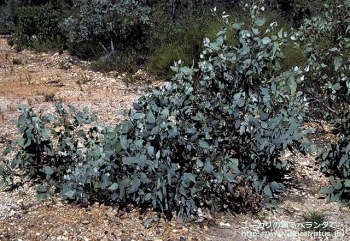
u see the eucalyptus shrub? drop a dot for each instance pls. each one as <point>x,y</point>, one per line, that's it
<point>324,40</point>
<point>213,137</point>
<point>56,151</point>
<point>335,161</point>
<point>216,127</point>
<point>32,147</point>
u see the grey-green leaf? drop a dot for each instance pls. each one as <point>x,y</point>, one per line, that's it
<point>48,170</point>
<point>138,116</point>
<point>189,177</point>
<point>237,26</point>
<point>266,40</point>
<point>113,187</point>
<point>267,191</point>
<point>204,144</point>
<point>260,21</point>
<point>150,117</point>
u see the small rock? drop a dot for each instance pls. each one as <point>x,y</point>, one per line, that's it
<point>225,224</point>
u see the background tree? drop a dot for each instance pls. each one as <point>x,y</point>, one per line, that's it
<point>111,25</point>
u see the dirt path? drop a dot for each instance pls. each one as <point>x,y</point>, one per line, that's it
<point>37,79</point>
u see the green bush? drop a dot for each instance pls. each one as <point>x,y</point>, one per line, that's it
<point>170,42</point>
<point>35,26</point>
<point>180,34</point>
<point>48,161</point>
<point>111,34</point>
<point>6,23</point>
<point>323,40</point>
<point>335,161</point>
<point>87,50</point>
<point>220,125</point>
<point>293,54</point>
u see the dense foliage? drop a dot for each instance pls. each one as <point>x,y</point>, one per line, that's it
<point>335,161</point>
<point>212,136</point>
<point>324,40</point>
<point>35,26</point>
<point>109,27</point>
<point>125,35</point>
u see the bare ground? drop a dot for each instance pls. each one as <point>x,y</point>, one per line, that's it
<point>33,79</point>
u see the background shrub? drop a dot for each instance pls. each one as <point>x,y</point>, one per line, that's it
<point>35,26</point>
<point>178,41</point>
<point>134,34</point>
<point>324,41</point>
<point>107,29</point>
<point>335,161</point>
<point>6,23</point>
